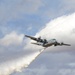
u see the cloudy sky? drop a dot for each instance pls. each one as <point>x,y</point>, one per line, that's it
<point>48,18</point>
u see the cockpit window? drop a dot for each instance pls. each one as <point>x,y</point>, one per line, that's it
<point>52,40</point>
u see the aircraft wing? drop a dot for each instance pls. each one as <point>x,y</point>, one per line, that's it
<point>36,39</point>
<point>33,38</point>
<point>65,44</point>
<point>61,44</point>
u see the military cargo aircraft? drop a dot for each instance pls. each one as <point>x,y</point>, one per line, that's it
<point>45,43</point>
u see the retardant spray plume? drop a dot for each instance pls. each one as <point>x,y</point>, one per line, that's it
<point>9,67</point>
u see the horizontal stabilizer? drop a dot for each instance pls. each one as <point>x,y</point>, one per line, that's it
<point>36,43</point>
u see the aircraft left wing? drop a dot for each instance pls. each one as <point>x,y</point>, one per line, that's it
<point>36,39</point>
<point>33,38</point>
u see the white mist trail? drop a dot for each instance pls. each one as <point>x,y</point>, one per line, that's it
<point>16,65</point>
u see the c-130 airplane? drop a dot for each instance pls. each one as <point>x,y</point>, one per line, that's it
<point>44,43</point>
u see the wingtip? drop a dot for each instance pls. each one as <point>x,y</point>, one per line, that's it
<point>68,45</point>
<point>25,35</point>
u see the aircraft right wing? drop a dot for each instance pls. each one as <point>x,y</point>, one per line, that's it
<point>61,44</point>
<point>65,44</point>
